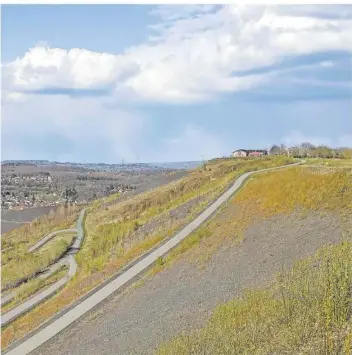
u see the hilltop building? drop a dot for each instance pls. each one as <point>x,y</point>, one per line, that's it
<point>249,153</point>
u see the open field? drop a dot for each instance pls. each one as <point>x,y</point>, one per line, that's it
<point>243,246</point>
<point>122,231</point>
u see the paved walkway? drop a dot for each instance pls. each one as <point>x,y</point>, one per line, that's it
<point>48,237</point>
<point>36,299</point>
<point>75,313</point>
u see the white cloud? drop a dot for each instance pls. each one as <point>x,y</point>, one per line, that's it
<point>192,55</point>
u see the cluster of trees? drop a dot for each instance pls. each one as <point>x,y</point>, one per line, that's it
<point>308,150</point>
<point>70,195</point>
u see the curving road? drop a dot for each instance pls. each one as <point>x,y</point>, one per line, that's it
<point>57,325</point>
<point>39,297</point>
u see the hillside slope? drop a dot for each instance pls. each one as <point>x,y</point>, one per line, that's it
<point>117,230</point>
<point>278,218</point>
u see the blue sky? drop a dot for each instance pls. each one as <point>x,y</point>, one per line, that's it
<point>94,83</point>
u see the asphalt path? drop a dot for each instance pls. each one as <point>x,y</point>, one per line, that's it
<point>39,297</point>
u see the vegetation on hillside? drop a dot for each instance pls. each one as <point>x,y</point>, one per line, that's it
<point>114,233</point>
<point>31,287</point>
<point>306,311</point>
<point>15,246</point>
<point>33,263</point>
<point>111,231</point>
<point>298,189</point>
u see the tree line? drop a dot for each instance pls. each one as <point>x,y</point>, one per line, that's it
<point>308,150</point>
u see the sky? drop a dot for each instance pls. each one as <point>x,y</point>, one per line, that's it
<point>142,83</point>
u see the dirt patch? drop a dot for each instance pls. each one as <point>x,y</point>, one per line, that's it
<point>182,297</point>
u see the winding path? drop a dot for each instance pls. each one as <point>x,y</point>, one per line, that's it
<point>35,340</point>
<point>39,297</point>
<point>50,236</point>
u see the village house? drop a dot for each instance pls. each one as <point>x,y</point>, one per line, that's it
<point>249,153</point>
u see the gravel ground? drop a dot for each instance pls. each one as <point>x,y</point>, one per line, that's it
<point>182,296</point>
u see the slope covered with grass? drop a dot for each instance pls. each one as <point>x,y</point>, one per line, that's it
<point>122,231</point>
<point>308,309</point>
<point>15,246</point>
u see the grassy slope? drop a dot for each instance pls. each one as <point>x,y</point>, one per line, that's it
<point>34,263</point>
<point>308,309</point>
<point>110,239</point>
<point>33,286</point>
<point>19,240</point>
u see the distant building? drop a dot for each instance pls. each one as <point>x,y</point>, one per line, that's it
<point>240,153</point>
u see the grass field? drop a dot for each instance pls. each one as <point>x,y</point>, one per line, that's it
<point>308,308</point>
<point>118,233</point>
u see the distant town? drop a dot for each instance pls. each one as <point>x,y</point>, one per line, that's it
<point>41,183</point>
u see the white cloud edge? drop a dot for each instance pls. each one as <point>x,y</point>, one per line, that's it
<point>185,64</point>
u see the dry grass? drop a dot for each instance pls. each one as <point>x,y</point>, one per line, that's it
<point>31,287</point>
<point>25,236</point>
<point>15,246</point>
<point>110,230</point>
<point>110,241</point>
<point>308,309</point>
<point>33,263</point>
<point>296,189</point>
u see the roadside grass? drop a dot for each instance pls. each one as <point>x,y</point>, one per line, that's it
<point>299,189</point>
<point>33,263</point>
<point>110,232</point>
<point>306,311</point>
<point>20,239</point>
<point>32,286</point>
<point>55,243</point>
